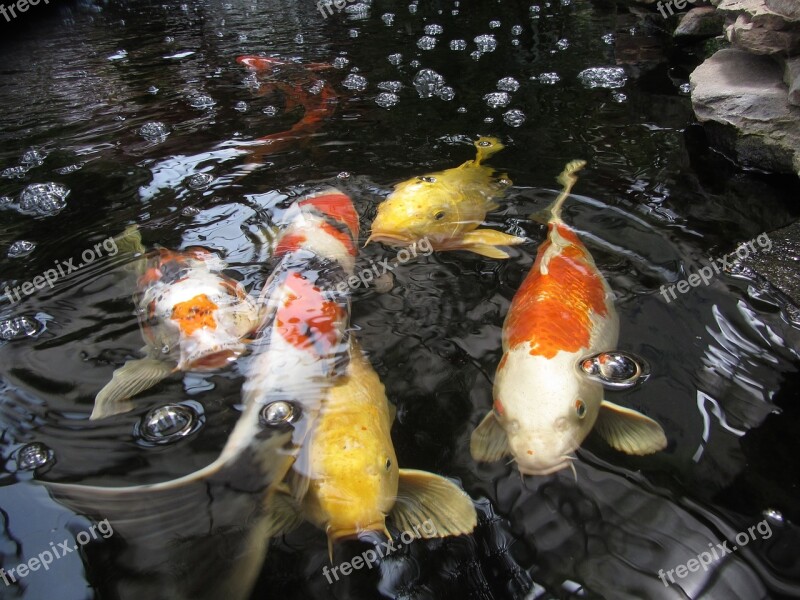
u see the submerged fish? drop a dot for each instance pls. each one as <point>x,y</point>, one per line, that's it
<point>447,207</point>
<point>544,404</point>
<point>350,477</point>
<point>204,535</point>
<point>192,316</point>
<point>300,87</point>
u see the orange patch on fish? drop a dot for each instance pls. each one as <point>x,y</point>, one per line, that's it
<point>553,312</point>
<point>306,317</point>
<point>289,243</point>
<point>498,407</point>
<point>336,206</point>
<point>195,314</point>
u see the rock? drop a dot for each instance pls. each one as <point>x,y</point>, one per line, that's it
<point>700,22</point>
<point>742,101</point>
<point>756,11</point>
<point>787,8</point>
<point>779,264</point>
<point>759,37</point>
<point>791,77</point>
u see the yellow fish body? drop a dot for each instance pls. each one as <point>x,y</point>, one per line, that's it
<point>348,476</point>
<point>447,208</point>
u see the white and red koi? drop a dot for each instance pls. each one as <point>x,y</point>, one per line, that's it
<point>544,404</point>
<point>302,345</point>
<point>192,316</point>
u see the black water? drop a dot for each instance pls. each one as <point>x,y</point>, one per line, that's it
<point>654,204</point>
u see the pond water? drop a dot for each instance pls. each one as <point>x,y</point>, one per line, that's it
<point>84,88</point>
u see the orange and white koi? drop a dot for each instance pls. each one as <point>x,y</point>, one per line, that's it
<point>192,316</point>
<point>544,404</point>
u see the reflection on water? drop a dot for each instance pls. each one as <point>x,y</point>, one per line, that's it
<point>124,114</point>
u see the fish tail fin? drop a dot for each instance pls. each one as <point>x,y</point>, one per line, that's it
<point>487,147</point>
<point>568,179</point>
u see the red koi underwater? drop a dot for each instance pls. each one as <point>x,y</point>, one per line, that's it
<point>316,97</point>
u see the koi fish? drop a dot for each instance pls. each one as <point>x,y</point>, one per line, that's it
<point>302,343</point>
<point>205,535</point>
<point>447,207</point>
<point>354,480</point>
<point>192,317</point>
<point>316,97</point>
<point>544,405</point>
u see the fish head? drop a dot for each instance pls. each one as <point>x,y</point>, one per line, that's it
<point>422,207</point>
<point>358,500</point>
<point>546,407</point>
<point>208,336</point>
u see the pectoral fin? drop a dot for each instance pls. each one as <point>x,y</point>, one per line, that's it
<point>489,441</point>
<point>629,431</point>
<point>431,506</point>
<point>131,378</point>
<point>283,515</point>
<point>484,242</point>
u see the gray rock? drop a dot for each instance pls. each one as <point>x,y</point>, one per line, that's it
<point>779,265</point>
<point>787,8</point>
<point>742,101</point>
<point>759,37</point>
<point>791,77</point>
<point>700,22</point>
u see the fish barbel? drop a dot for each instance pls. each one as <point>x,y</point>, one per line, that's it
<point>192,317</point>
<point>544,404</point>
<point>447,207</point>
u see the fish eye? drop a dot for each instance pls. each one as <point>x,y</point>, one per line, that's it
<point>427,179</point>
<point>580,408</point>
<point>388,463</point>
<point>438,215</point>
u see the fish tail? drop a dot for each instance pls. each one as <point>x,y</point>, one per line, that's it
<point>568,179</point>
<point>487,147</point>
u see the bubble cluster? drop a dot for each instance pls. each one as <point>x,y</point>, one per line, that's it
<point>387,99</point>
<point>355,82</point>
<point>603,77</point>
<point>508,84</point>
<point>428,83</point>
<point>426,42</point>
<point>514,117</point>
<point>154,131</point>
<point>45,199</point>
<point>20,248</point>
<point>486,43</point>
<point>390,86</point>
<point>497,99</point>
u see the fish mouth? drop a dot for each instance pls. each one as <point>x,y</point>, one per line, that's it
<point>548,470</point>
<point>386,237</point>
<point>209,359</point>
